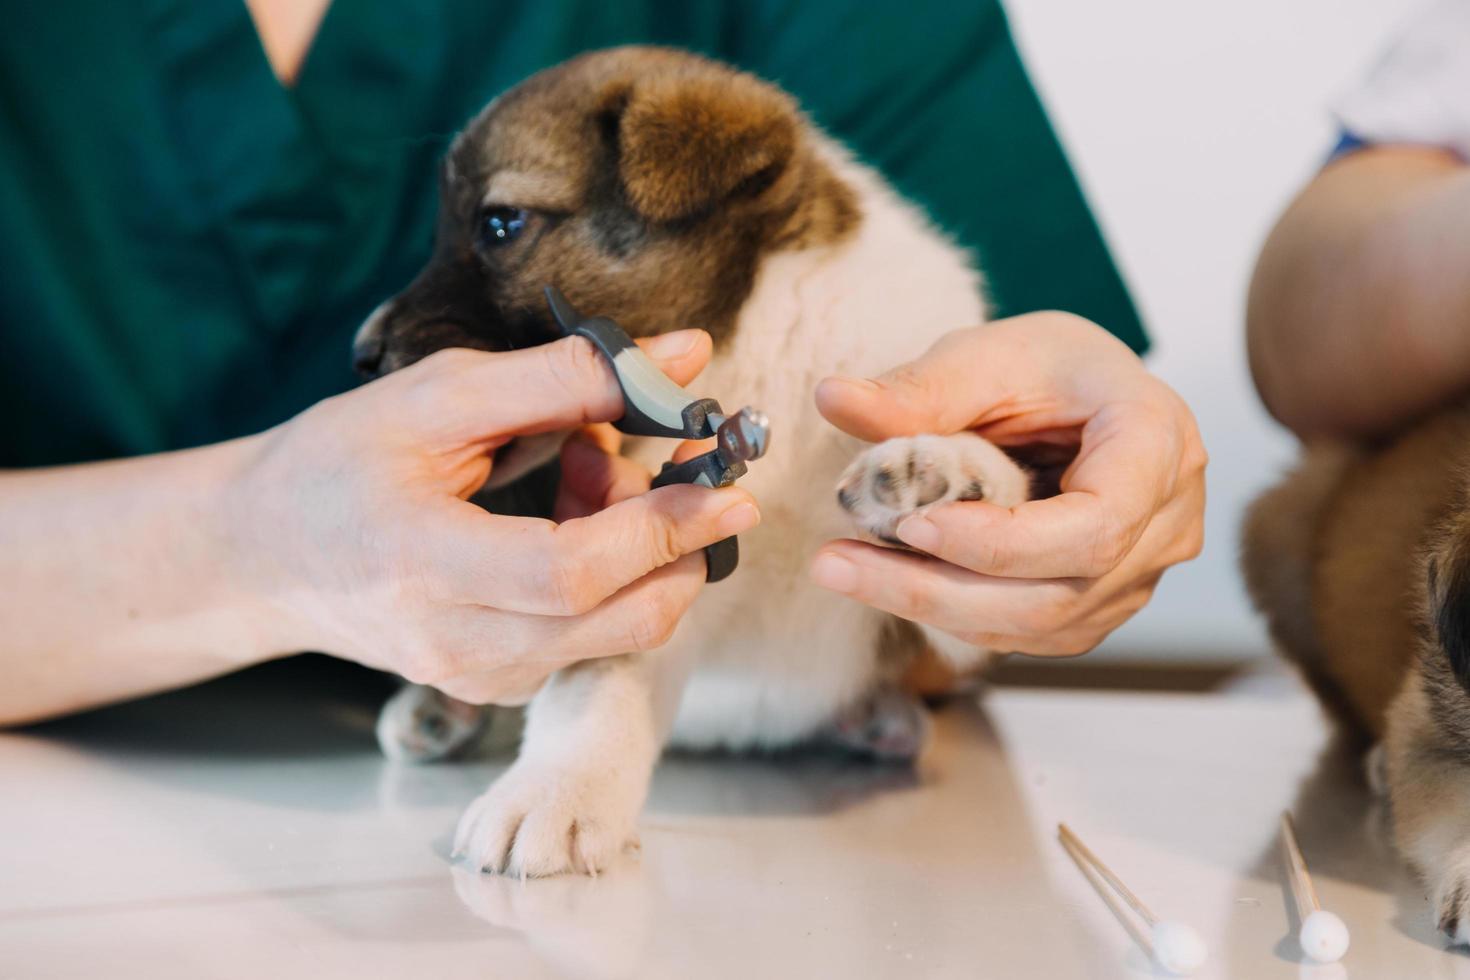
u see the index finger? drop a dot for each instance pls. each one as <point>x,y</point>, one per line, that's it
<point>467,396</point>
<point>526,565</point>
<point>1124,473</point>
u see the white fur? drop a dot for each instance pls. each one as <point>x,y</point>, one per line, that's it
<point>763,659</point>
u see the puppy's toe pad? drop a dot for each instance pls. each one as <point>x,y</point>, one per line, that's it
<point>904,476</point>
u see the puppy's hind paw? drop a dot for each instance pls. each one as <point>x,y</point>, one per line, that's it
<point>890,726</point>
<point>420,724</point>
<point>904,476</point>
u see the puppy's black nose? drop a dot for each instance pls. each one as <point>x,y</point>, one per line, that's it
<point>367,355</point>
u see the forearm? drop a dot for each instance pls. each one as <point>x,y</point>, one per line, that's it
<point>117,579</point>
<point>1359,312</point>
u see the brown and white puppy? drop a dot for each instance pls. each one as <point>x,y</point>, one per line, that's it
<point>667,191</point>
<point>1361,562</point>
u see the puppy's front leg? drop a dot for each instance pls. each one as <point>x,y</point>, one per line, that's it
<point>907,475</point>
<point>570,802</point>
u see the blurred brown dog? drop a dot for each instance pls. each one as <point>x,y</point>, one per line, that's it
<point>1361,562</point>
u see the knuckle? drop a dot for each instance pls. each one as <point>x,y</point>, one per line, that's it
<point>991,557</point>
<point>1076,330</point>
<point>568,589</point>
<point>1193,544</point>
<point>653,627</point>
<point>423,662</point>
<point>1109,547</point>
<point>427,386</point>
<point>1135,603</point>
<point>978,640</point>
<point>1196,458</point>
<point>575,365</point>
<point>916,602</point>
<point>1074,644</point>
<point>1056,609</point>
<point>1070,322</point>
<point>663,542</point>
<point>998,643</point>
<point>450,361</point>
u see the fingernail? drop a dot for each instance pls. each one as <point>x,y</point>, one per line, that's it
<point>742,517</point>
<point>918,532</point>
<point>834,572</point>
<point>672,346</point>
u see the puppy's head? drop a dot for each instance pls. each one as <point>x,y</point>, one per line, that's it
<point>645,183</point>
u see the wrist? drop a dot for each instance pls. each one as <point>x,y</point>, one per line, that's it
<point>257,606</point>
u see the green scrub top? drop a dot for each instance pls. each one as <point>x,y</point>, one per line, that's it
<point>186,246</point>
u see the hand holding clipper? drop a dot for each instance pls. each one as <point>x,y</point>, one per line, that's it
<point>655,406</point>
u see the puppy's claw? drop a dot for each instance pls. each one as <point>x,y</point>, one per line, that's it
<point>536,822</point>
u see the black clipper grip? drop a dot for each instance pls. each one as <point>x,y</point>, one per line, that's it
<point>708,470</point>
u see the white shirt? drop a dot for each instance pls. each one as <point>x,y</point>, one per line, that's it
<point>1419,91</point>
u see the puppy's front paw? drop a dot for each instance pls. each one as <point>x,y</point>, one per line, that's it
<point>904,476</point>
<point>420,724</point>
<point>544,819</point>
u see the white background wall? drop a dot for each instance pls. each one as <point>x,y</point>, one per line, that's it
<point>1191,125</point>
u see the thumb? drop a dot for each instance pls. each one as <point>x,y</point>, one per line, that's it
<point>943,391</point>
<point>1027,373</point>
<point>467,398</point>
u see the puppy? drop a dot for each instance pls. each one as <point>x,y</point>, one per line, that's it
<point>667,191</point>
<point>1360,561</point>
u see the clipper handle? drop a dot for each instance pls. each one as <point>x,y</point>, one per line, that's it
<point>652,404</point>
<point>721,558</point>
<point>655,406</point>
<point>707,470</point>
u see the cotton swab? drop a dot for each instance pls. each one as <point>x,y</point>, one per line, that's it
<point>1175,946</point>
<point>1323,936</point>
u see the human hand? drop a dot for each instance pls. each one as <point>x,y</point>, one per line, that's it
<point>1052,576</point>
<point>353,518</point>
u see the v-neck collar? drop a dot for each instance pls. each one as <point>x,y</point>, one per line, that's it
<point>299,51</point>
<point>261,173</point>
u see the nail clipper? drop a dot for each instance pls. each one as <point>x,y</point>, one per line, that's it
<point>655,406</point>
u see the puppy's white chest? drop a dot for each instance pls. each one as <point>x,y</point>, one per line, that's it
<point>774,657</point>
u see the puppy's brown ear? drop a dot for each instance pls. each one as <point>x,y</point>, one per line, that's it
<point>689,141</point>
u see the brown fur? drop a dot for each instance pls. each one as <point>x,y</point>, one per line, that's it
<point>1332,557</point>
<point>1361,562</point>
<point>654,182</point>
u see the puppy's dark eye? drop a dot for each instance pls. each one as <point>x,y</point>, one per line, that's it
<point>501,226</point>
